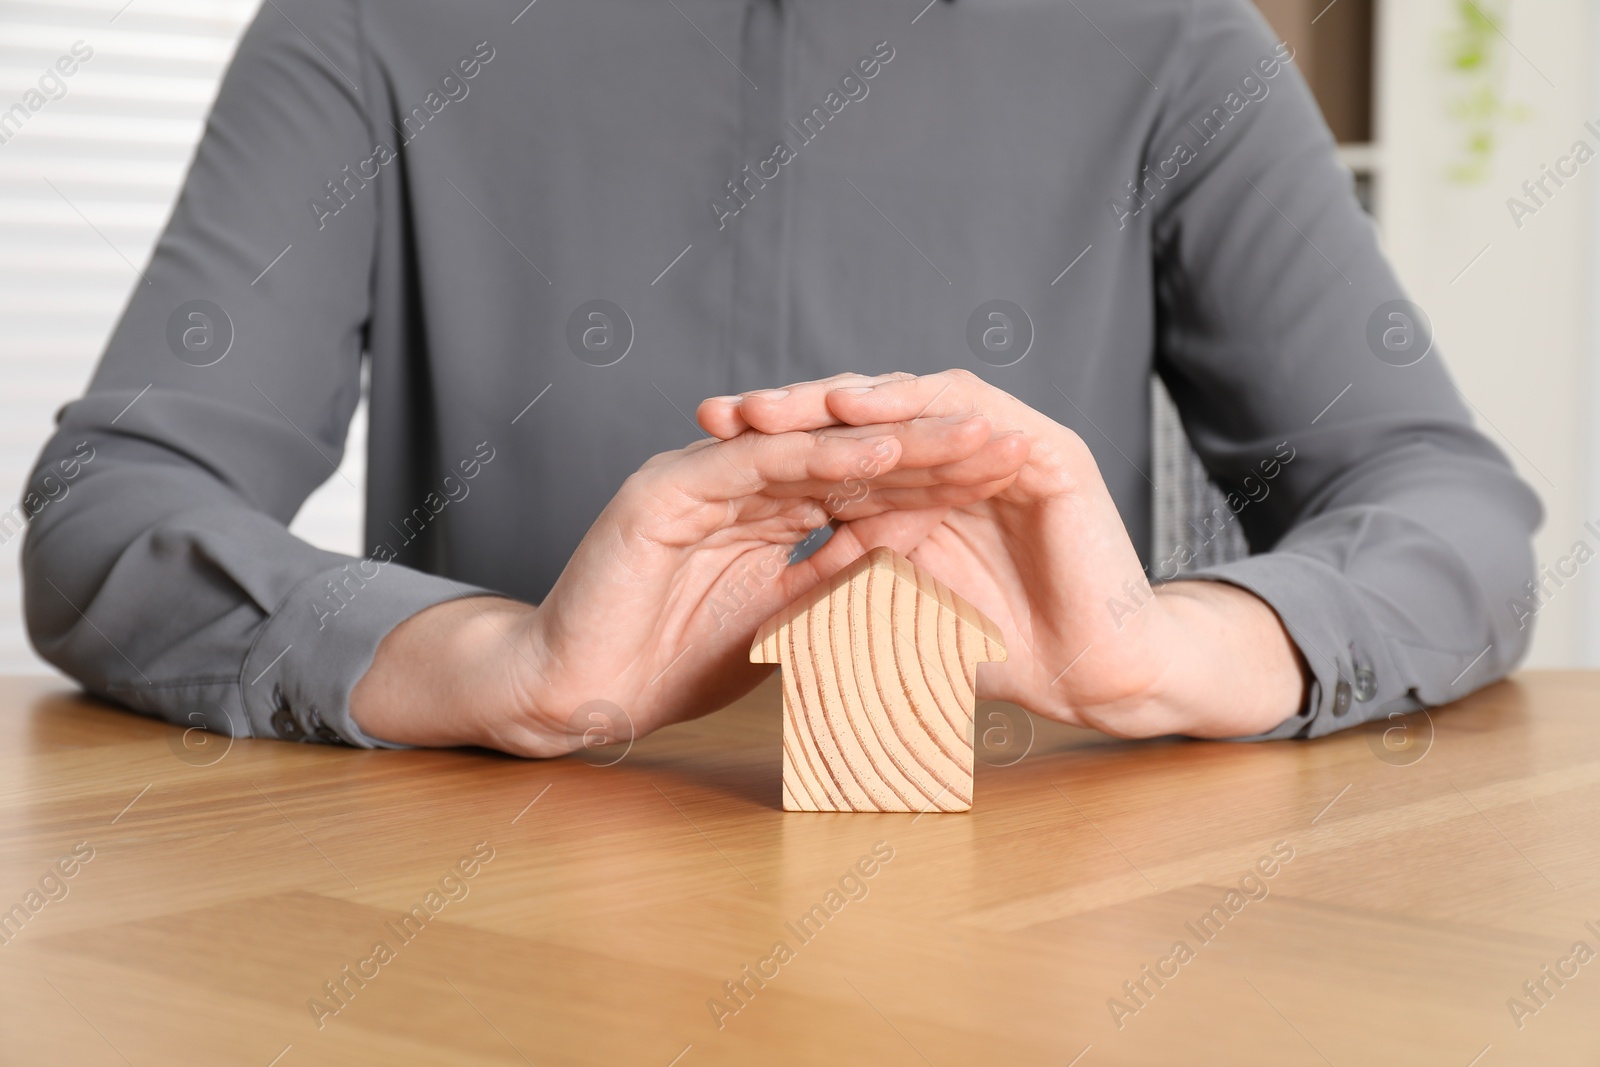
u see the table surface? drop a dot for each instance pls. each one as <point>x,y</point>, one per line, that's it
<point>1430,872</point>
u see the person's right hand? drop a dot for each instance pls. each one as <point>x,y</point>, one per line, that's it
<point>655,611</point>
<point>1049,559</point>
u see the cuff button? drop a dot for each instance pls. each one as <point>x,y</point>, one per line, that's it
<point>1366,685</point>
<point>285,725</point>
<point>1341,697</point>
<point>325,733</point>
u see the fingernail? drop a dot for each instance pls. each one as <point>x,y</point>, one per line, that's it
<point>734,400</point>
<point>770,394</point>
<point>857,389</point>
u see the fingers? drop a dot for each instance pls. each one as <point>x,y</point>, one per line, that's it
<point>924,442</point>
<point>996,456</point>
<point>948,393</point>
<point>859,400</point>
<point>988,471</point>
<point>855,471</point>
<point>720,417</point>
<point>933,452</point>
<point>753,464</point>
<point>797,463</point>
<point>881,501</point>
<point>1057,460</point>
<point>801,406</point>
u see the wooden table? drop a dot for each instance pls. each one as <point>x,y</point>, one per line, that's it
<point>1428,881</point>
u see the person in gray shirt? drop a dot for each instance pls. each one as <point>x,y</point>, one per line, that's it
<point>544,235</point>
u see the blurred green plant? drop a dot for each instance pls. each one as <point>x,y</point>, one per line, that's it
<point>1476,64</point>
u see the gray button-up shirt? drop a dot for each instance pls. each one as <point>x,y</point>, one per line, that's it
<point>548,233</point>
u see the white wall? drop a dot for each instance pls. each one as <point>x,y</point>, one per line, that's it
<point>1516,327</point>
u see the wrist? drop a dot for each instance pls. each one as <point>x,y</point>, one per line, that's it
<point>448,675</point>
<point>1232,669</point>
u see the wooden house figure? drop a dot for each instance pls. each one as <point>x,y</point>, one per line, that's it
<point>879,668</point>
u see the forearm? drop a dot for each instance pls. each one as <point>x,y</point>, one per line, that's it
<point>444,676</point>
<point>168,578</point>
<point>153,583</point>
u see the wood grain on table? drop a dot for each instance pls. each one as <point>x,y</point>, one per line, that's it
<point>1363,899</point>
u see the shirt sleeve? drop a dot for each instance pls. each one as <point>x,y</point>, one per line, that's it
<point>163,575</point>
<point>1388,534</point>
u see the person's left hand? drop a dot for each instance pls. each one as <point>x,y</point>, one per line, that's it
<point>1049,560</point>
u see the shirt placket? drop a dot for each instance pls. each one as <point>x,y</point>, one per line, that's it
<point>756,298</point>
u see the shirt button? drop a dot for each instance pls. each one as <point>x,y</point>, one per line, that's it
<point>287,728</point>
<point>1341,697</point>
<point>1366,685</point>
<point>323,731</point>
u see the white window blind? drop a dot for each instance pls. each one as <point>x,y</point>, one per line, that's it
<point>90,165</point>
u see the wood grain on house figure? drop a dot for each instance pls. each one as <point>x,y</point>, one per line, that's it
<point>879,669</point>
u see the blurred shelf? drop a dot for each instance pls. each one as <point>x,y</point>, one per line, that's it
<point>1333,45</point>
<point>1335,48</point>
<point>1362,159</point>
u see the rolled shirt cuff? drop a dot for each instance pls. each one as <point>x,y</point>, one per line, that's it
<point>299,673</point>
